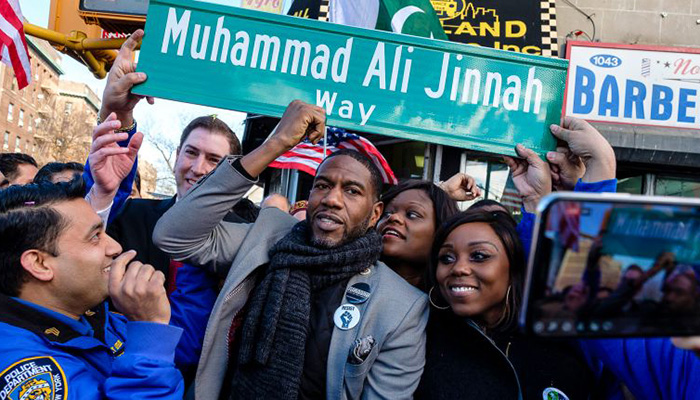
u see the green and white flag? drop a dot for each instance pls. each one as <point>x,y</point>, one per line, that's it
<point>410,17</point>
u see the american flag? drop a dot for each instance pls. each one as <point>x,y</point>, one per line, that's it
<point>307,156</point>
<point>13,45</point>
<point>511,197</point>
<point>570,225</point>
<point>565,220</point>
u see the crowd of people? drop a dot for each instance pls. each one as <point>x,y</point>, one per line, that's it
<point>357,293</point>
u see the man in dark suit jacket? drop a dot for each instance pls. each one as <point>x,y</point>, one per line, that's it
<point>204,142</point>
<point>133,227</point>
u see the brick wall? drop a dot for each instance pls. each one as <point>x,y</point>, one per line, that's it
<point>32,103</point>
<point>655,22</point>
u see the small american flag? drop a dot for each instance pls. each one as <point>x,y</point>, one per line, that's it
<point>511,197</point>
<point>570,225</point>
<point>307,156</point>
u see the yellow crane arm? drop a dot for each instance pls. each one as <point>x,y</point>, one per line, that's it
<point>97,54</point>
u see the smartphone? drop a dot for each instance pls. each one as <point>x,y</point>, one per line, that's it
<point>613,265</point>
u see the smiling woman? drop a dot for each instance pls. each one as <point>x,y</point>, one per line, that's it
<point>477,263</point>
<point>476,277</point>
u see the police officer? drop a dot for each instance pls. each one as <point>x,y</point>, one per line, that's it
<point>57,268</point>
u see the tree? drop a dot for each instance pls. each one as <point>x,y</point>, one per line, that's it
<point>64,134</point>
<point>166,147</point>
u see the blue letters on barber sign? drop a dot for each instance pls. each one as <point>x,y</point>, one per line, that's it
<point>661,98</point>
<point>684,103</point>
<point>635,93</point>
<point>584,95</point>
<point>609,97</point>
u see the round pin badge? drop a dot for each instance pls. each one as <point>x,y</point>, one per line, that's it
<point>346,317</point>
<point>554,394</point>
<point>358,293</point>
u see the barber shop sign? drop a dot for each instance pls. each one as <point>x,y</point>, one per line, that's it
<point>642,85</point>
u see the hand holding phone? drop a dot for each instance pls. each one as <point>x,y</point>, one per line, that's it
<point>612,265</point>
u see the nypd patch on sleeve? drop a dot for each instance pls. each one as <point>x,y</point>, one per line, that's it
<point>34,378</point>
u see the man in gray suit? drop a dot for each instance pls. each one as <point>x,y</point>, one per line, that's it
<point>307,310</point>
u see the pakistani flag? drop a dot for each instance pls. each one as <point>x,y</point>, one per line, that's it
<point>411,17</point>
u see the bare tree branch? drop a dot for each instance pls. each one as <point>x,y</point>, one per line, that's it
<point>63,134</point>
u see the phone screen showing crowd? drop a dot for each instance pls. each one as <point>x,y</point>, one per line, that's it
<point>617,269</point>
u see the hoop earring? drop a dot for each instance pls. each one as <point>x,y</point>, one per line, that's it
<point>506,307</point>
<point>508,296</point>
<point>432,303</point>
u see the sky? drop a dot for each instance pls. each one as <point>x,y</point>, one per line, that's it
<point>164,117</point>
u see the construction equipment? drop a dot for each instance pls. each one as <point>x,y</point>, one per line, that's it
<point>91,31</point>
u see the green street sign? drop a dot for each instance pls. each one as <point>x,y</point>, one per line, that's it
<point>645,233</point>
<point>371,81</point>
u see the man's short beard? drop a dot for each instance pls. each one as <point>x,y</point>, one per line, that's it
<point>348,237</point>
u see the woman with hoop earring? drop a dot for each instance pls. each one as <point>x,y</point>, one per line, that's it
<point>474,350</point>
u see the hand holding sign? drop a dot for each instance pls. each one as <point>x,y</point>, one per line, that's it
<point>117,96</point>
<point>567,168</point>
<point>138,291</point>
<point>588,144</point>
<point>531,177</point>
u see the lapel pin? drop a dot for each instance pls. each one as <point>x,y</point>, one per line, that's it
<point>358,293</point>
<point>346,317</point>
<point>552,393</point>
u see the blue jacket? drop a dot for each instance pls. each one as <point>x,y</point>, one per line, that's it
<point>100,356</point>
<point>652,368</point>
<point>192,302</point>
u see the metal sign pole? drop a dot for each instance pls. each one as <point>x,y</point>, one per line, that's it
<point>325,141</point>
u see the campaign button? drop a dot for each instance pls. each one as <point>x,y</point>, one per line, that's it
<point>552,393</point>
<point>346,317</point>
<point>358,293</point>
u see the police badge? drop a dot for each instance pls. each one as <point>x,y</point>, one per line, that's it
<point>33,378</point>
